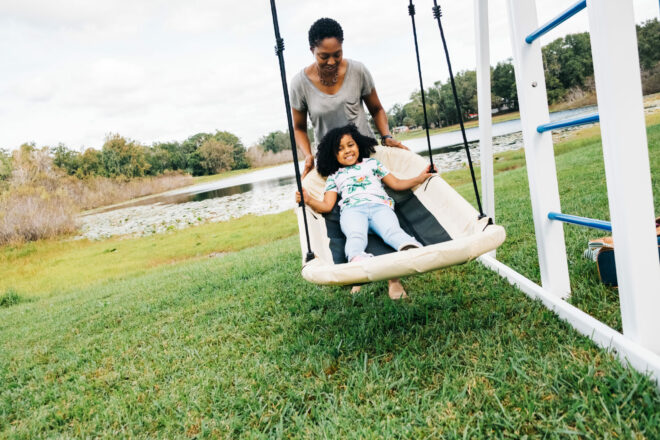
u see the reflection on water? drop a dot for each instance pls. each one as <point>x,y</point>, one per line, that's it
<point>240,189</point>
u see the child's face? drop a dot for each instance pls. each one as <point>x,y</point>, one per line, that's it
<point>349,152</point>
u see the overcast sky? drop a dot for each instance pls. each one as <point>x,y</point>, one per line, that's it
<point>153,70</point>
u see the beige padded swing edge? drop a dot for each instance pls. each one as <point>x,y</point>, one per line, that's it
<point>471,237</point>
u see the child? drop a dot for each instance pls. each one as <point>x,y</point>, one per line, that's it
<point>343,157</point>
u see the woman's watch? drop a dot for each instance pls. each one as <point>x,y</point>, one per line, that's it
<point>384,138</point>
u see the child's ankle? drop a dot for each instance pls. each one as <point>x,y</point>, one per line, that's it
<point>360,256</point>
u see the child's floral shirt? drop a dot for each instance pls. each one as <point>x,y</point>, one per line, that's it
<point>360,183</point>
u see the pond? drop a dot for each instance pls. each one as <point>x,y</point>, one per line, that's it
<point>271,190</point>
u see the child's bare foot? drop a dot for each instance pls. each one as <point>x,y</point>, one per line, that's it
<point>396,290</point>
<point>355,289</point>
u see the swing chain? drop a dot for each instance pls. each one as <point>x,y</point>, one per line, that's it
<point>437,12</point>
<point>279,47</point>
<point>411,9</point>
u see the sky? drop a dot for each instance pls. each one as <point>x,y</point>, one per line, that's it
<point>74,71</point>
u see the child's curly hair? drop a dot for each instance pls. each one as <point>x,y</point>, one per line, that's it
<point>326,156</point>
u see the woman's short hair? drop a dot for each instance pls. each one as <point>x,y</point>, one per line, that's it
<point>326,156</point>
<point>324,28</point>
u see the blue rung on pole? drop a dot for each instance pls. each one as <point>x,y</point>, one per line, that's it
<point>568,123</point>
<point>582,221</point>
<point>568,13</point>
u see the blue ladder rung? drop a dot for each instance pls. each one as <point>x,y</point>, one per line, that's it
<point>568,123</point>
<point>568,13</point>
<point>582,221</point>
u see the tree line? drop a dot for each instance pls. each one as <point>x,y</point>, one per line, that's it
<point>568,71</point>
<point>200,154</point>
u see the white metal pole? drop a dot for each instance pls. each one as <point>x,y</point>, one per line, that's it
<point>539,154</point>
<point>484,103</point>
<point>627,168</point>
<point>640,358</point>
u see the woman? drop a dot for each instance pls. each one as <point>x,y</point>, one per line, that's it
<point>331,91</point>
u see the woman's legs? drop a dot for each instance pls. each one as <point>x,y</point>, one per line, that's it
<point>395,289</point>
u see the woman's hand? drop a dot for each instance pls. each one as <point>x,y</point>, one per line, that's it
<point>309,165</point>
<point>305,196</point>
<point>391,142</point>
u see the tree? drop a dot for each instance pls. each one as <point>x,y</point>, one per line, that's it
<point>5,167</point>
<point>176,158</point>
<point>648,43</point>
<point>159,160</point>
<point>238,150</point>
<point>216,156</point>
<point>68,160</point>
<point>91,164</point>
<point>276,141</point>
<point>567,63</point>
<point>194,160</point>
<point>122,157</point>
<point>504,85</point>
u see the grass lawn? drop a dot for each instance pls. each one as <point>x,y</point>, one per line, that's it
<point>241,346</point>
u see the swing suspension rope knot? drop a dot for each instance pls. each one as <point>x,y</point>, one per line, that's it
<point>437,12</point>
<point>411,9</point>
<point>279,47</point>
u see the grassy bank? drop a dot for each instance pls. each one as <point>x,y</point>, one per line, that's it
<point>241,346</point>
<point>49,267</point>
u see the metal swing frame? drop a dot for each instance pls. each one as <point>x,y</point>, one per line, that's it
<point>627,170</point>
<point>616,67</point>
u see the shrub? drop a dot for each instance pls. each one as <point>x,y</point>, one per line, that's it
<point>257,157</point>
<point>28,214</point>
<point>217,156</point>
<point>10,298</point>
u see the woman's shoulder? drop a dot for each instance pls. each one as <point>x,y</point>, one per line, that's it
<point>298,79</point>
<point>357,65</point>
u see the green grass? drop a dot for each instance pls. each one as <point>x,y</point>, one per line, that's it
<point>50,267</point>
<point>242,347</point>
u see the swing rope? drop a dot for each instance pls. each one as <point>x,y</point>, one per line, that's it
<point>279,48</point>
<point>437,13</point>
<point>411,12</point>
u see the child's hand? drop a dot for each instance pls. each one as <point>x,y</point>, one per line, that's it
<point>426,173</point>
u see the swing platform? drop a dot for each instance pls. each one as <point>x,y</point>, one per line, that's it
<point>449,227</point>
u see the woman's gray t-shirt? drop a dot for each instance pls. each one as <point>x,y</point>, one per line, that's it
<point>331,111</point>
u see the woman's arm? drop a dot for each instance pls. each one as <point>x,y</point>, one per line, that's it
<point>402,184</point>
<point>380,119</point>
<point>300,134</point>
<point>329,200</point>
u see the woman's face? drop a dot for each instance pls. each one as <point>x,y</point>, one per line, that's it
<point>328,55</point>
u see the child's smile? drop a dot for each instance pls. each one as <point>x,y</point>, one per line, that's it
<point>348,153</point>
